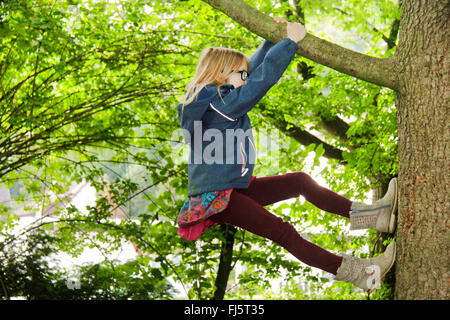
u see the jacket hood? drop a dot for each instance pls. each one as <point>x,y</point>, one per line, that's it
<point>195,110</point>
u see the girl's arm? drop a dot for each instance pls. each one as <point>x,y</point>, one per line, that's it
<point>242,99</point>
<point>258,57</point>
<point>262,50</point>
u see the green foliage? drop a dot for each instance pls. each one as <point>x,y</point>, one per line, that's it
<point>87,94</point>
<point>27,270</point>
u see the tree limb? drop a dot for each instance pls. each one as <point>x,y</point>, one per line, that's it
<point>378,71</point>
<point>335,126</point>
<point>304,137</point>
<point>226,257</point>
<point>393,34</point>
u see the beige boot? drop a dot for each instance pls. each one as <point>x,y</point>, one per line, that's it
<point>379,216</point>
<point>366,273</point>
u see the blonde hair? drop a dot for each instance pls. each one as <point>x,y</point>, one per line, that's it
<point>213,68</point>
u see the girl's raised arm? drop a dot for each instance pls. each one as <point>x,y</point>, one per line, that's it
<point>295,31</point>
<point>242,99</point>
<point>263,76</point>
<point>258,57</point>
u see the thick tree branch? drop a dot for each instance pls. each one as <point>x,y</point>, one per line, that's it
<point>378,71</point>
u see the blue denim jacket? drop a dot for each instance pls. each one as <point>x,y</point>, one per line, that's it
<point>218,129</point>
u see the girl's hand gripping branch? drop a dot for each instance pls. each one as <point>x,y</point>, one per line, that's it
<point>295,31</point>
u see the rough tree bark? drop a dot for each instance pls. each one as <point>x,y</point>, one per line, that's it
<point>418,73</point>
<point>422,101</point>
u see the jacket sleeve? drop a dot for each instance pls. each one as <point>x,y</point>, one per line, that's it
<point>241,100</point>
<point>258,57</point>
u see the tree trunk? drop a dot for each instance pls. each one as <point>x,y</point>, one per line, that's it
<point>226,257</point>
<point>422,102</point>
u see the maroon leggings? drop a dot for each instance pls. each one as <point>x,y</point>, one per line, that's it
<point>246,210</point>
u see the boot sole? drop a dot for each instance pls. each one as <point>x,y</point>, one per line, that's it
<point>388,268</point>
<point>392,219</point>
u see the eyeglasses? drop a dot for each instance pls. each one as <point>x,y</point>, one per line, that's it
<point>244,74</point>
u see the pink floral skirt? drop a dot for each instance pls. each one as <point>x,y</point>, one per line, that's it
<point>193,218</point>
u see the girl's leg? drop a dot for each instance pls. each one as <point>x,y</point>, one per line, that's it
<point>271,189</point>
<point>244,212</point>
